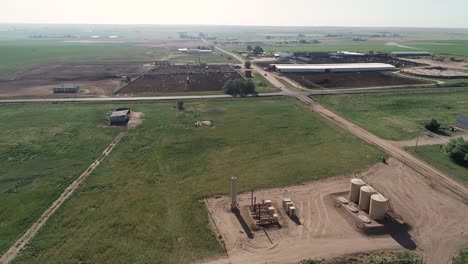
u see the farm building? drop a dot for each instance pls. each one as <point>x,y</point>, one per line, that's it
<point>343,67</point>
<point>462,122</point>
<point>119,116</point>
<point>195,51</point>
<point>67,89</point>
<point>410,54</point>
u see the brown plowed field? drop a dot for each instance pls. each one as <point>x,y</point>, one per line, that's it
<point>182,78</point>
<point>350,79</point>
<point>94,78</point>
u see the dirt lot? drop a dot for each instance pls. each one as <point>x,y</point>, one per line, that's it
<point>438,72</point>
<point>350,79</point>
<point>439,222</point>
<point>93,78</point>
<point>182,78</point>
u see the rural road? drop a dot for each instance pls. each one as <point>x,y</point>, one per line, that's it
<point>284,92</point>
<point>442,183</point>
<point>425,140</point>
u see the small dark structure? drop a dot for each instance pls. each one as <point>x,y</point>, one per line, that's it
<point>67,89</point>
<point>119,116</point>
<point>248,73</point>
<point>462,122</point>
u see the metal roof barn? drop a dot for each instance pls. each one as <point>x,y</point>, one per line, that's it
<point>342,67</point>
<point>462,122</point>
<point>119,116</point>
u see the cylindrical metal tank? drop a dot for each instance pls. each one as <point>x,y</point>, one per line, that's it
<point>378,206</point>
<point>364,197</point>
<point>355,188</point>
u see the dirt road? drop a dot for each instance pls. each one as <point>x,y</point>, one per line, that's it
<point>14,250</point>
<point>440,181</point>
<point>439,222</point>
<point>442,186</point>
<point>425,140</point>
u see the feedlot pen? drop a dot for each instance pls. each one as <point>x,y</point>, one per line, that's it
<point>182,78</point>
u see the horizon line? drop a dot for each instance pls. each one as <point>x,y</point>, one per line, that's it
<point>221,25</point>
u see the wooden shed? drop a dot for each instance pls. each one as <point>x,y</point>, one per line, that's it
<point>119,116</point>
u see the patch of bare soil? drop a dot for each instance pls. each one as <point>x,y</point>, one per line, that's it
<point>439,222</point>
<point>136,119</point>
<point>96,79</point>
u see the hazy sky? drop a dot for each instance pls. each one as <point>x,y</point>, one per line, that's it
<point>392,13</point>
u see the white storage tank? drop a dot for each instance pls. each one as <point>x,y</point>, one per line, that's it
<point>271,210</point>
<point>365,196</point>
<point>378,206</point>
<point>355,188</point>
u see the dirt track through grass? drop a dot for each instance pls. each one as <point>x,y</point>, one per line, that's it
<point>32,231</point>
<point>142,205</point>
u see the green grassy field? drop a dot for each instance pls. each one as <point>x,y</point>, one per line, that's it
<point>263,85</point>
<point>461,257</point>
<point>43,148</point>
<point>215,57</point>
<point>401,115</point>
<point>142,205</point>
<point>433,155</point>
<point>325,47</point>
<point>20,54</point>
<point>442,47</point>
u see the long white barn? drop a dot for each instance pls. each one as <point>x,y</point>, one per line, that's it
<point>342,67</point>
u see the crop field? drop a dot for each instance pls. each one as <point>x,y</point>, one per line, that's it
<point>399,116</point>
<point>351,79</point>
<point>215,57</point>
<point>43,148</point>
<point>442,47</point>
<point>182,78</point>
<point>143,203</point>
<point>433,155</point>
<point>17,55</point>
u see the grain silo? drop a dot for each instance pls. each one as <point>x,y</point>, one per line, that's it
<point>378,206</point>
<point>364,197</point>
<point>355,188</point>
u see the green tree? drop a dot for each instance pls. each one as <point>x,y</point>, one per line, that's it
<point>239,87</point>
<point>257,50</point>
<point>457,149</point>
<point>247,64</point>
<point>433,125</point>
<point>249,48</point>
<point>180,105</point>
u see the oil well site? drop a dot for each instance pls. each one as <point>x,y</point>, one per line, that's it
<point>233,145</point>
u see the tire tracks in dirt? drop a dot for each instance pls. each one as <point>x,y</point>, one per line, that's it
<point>15,249</point>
